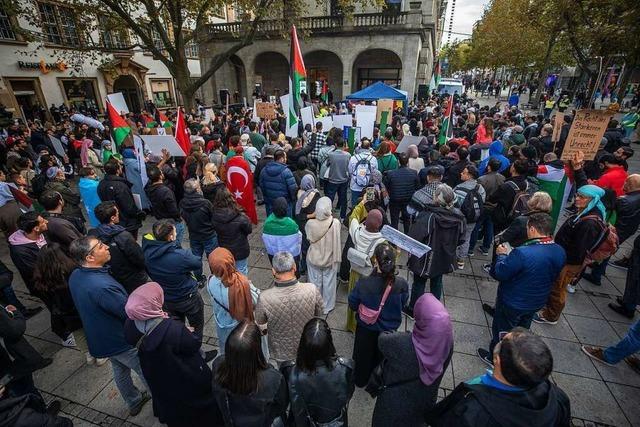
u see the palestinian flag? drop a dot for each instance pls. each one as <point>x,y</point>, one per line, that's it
<point>149,122</point>
<point>119,128</point>
<point>324,95</point>
<point>435,79</point>
<point>297,76</point>
<point>163,119</point>
<point>555,180</point>
<point>446,130</point>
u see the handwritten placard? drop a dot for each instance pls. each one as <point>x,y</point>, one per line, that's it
<point>266,110</point>
<point>585,134</point>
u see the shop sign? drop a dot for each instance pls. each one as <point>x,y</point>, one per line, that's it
<point>44,67</point>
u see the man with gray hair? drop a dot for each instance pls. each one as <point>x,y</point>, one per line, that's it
<point>100,301</point>
<point>197,214</point>
<point>284,309</point>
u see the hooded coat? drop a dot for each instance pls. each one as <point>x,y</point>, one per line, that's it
<point>197,213</point>
<point>232,228</point>
<point>495,151</point>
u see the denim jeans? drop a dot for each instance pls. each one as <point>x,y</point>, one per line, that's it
<point>505,319</point>
<point>198,247</point>
<point>486,224</point>
<point>330,191</point>
<point>180,229</point>
<point>122,364</point>
<point>355,195</point>
<point>242,265</point>
<point>630,344</point>
<point>417,289</point>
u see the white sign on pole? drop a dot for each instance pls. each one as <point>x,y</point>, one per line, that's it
<point>155,144</point>
<point>366,121</point>
<point>209,115</point>
<point>404,242</point>
<point>118,102</point>
<point>254,115</point>
<point>327,123</point>
<point>408,140</point>
<point>342,120</point>
<point>307,117</point>
<point>366,109</point>
<point>292,129</point>
<point>57,145</point>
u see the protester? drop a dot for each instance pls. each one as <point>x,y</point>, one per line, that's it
<point>320,382</point>
<point>210,182</point>
<point>613,176</point>
<point>308,196</point>
<point>285,308</point>
<point>387,161</point>
<point>116,188</point>
<point>100,301</point>
<point>60,229</point>
<point>424,196</point>
<point>126,262</point>
<point>401,183</point>
<point>470,198</point>
<point>625,350</point>
<point>414,365</point>
<point>337,176</point>
<point>233,228</point>
<point>170,359</point>
<point>276,180</point>
<point>377,301</point>
<point>25,244</point>
<point>57,182</point>
<point>501,202</point>
<point>415,162</point>
<point>361,165</point>
<point>163,201</point>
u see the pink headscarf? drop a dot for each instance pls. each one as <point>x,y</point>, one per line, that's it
<point>432,337</point>
<point>145,302</point>
<point>87,144</point>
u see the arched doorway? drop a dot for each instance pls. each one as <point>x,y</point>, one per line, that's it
<point>324,65</point>
<point>272,70</point>
<point>376,65</point>
<point>233,77</point>
<point>128,85</point>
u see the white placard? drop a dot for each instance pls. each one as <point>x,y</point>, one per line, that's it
<point>307,117</point>
<point>139,147</point>
<point>118,102</point>
<point>161,131</point>
<point>327,123</point>
<point>57,145</point>
<point>292,130</point>
<point>408,140</point>
<point>137,200</point>
<point>404,242</point>
<point>366,109</point>
<point>342,120</point>
<point>209,115</point>
<point>254,114</point>
<point>366,121</point>
<point>155,144</point>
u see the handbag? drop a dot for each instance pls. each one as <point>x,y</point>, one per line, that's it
<point>369,315</point>
<point>361,261</point>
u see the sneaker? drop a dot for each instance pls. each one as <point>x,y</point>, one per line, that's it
<point>90,359</point>
<point>484,251</point>
<point>485,356</point>
<point>491,311</point>
<point>460,264</point>
<point>596,353</point>
<point>622,310</point>
<point>408,311</point>
<point>539,318</point>
<point>590,278</point>
<point>571,289</point>
<point>138,407</point>
<point>487,268</point>
<point>633,362</point>
<point>101,361</point>
<point>622,264</point>
<point>70,341</point>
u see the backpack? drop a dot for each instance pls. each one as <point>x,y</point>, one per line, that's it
<point>472,204</point>
<point>520,201</point>
<point>362,171</point>
<point>606,244</point>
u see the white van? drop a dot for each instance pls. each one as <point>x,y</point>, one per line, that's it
<point>450,86</point>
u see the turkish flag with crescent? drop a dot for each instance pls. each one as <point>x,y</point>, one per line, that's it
<point>240,184</point>
<point>182,135</point>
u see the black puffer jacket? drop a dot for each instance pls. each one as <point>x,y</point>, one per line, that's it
<point>118,189</point>
<point>401,184</point>
<point>197,213</point>
<point>163,202</point>
<point>127,260</point>
<point>614,139</point>
<point>233,228</point>
<point>628,220</point>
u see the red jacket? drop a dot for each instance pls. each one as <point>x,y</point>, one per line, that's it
<point>613,178</point>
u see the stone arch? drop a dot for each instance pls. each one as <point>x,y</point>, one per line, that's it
<point>131,91</point>
<point>272,69</point>
<point>324,65</point>
<point>232,76</point>
<point>373,65</point>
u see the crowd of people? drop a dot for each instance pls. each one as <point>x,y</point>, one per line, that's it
<point>73,223</point>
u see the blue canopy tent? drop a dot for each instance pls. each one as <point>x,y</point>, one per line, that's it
<point>376,91</point>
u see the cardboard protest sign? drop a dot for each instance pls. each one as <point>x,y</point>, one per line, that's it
<point>557,126</point>
<point>118,102</point>
<point>266,110</point>
<point>384,105</point>
<point>155,144</point>
<point>585,134</point>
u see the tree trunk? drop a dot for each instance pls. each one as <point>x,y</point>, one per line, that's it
<point>535,102</point>
<point>624,82</point>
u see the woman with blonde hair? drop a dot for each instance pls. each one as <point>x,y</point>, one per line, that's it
<point>516,233</point>
<point>210,182</point>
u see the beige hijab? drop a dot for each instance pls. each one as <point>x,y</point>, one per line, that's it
<point>323,233</point>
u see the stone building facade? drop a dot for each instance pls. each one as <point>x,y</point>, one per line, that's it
<point>396,46</point>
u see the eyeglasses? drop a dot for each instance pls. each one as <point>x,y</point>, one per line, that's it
<point>100,244</point>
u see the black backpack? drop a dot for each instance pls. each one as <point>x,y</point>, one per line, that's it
<point>520,200</point>
<point>472,204</point>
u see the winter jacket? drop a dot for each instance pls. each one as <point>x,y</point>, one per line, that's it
<point>369,291</point>
<point>209,191</point>
<point>464,188</point>
<point>71,198</point>
<point>61,230</point>
<point>322,395</point>
<point>480,405</point>
<point>613,178</point>
<point>163,202</point>
<point>127,260</point>
<point>178,376</point>
<point>527,274</point>
<point>118,189</point>
<point>264,161</point>
<point>577,237</point>
<point>232,229</point>
<point>452,175</point>
<point>443,230</point>
<point>197,213</point>
<point>503,200</point>
<point>101,308</point>
<point>402,184</point>
<point>24,253</point>
<point>171,266</point>
<point>89,192</point>
<point>490,182</point>
<point>281,234</point>
<point>495,151</point>
<point>276,180</point>
<point>614,138</point>
<point>628,220</point>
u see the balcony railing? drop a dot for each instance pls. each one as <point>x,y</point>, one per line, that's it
<point>313,24</point>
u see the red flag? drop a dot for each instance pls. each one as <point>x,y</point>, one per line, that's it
<point>240,184</point>
<point>182,136</point>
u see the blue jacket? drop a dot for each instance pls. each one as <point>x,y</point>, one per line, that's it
<point>171,266</point>
<point>100,300</point>
<point>276,180</point>
<point>369,291</point>
<point>527,274</point>
<point>495,151</point>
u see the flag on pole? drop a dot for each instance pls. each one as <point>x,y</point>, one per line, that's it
<point>556,182</point>
<point>240,185</point>
<point>435,79</point>
<point>162,119</point>
<point>325,92</point>
<point>119,128</point>
<point>446,130</point>
<point>182,136</point>
<point>297,76</point>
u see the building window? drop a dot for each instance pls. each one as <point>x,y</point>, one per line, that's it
<point>157,40</point>
<point>6,32</point>
<point>58,24</point>
<point>389,76</point>
<point>81,94</point>
<point>113,38</point>
<point>191,49</point>
<point>162,96</point>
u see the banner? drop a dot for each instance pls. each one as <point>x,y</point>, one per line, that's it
<point>404,242</point>
<point>342,120</point>
<point>586,132</point>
